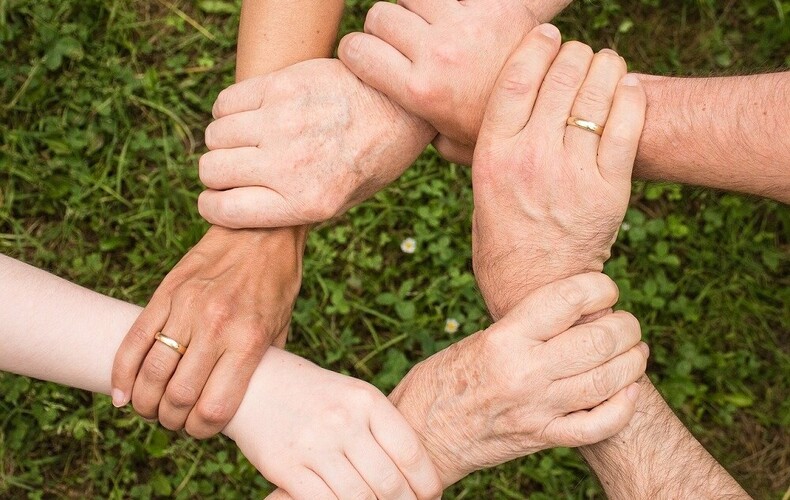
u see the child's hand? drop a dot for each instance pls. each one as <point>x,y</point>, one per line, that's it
<point>318,434</point>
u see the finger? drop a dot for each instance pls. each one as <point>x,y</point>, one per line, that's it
<point>453,151</point>
<point>378,470</point>
<point>587,346</point>
<point>184,388</point>
<point>512,100</point>
<point>247,207</point>
<point>246,95</point>
<point>396,437</point>
<point>559,89</point>
<point>430,10</point>
<point>343,479</point>
<point>602,422</point>
<point>378,64</point>
<point>593,387</point>
<point>158,367</point>
<point>555,307</point>
<point>221,395</point>
<point>234,131</point>
<point>400,28</point>
<point>594,101</point>
<point>304,483</point>
<point>135,346</point>
<point>620,141</point>
<point>236,167</point>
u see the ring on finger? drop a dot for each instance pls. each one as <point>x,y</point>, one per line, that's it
<point>585,125</point>
<point>171,343</point>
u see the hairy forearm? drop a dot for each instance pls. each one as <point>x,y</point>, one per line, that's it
<point>657,457</point>
<point>726,133</point>
<point>275,34</point>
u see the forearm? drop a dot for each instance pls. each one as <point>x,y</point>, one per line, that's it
<point>56,331</point>
<point>274,34</point>
<point>655,456</point>
<point>727,133</point>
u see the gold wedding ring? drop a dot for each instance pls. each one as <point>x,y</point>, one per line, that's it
<point>585,125</point>
<point>171,343</point>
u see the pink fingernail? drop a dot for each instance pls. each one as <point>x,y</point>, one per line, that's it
<point>550,31</point>
<point>632,392</point>
<point>645,349</point>
<point>118,398</point>
<point>630,80</point>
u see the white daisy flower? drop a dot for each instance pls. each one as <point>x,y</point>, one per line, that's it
<point>451,325</point>
<point>409,245</point>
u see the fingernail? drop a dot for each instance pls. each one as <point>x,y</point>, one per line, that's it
<point>645,349</point>
<point>608,51</point>
<point>633,391</point>
<point>630,80</point>
<point>118,398</point>
<point>550,31</point>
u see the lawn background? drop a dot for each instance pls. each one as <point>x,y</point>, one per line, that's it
<point>102,108</point>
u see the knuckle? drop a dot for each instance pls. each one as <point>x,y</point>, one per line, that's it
<point>570,293</point>
<point>410,455</point>
<point>392,484</point>
<point>515,80</point>
<point>564,76</point>
<point>181,395</point>
<point>448,54</point>
<point>604,343</point>
<point>621,137</point>
<point>431,490</point>
<point>593,96</point>
<point>214,413</point>
<point>629,325</point>
<point>156,369</point>
<point>140,336</point>
<point>601,384</point>
<point>422,91</point>
<point>365,494</point>
<point>216,313</point>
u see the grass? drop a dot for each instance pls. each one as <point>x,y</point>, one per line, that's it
<point>102,107</point>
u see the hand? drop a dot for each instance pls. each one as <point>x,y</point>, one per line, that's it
<point>439,59</point>
<point>322,435</point>
<point>530,381</point>
<point>550,198</point>
<point>302,145</point>
<point>228,300</point>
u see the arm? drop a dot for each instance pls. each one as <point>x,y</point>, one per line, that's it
<point>240,313</point>
<point>274,35</point>
<point>726,133</point>
<point>655,456</point>
<point>313,444</point>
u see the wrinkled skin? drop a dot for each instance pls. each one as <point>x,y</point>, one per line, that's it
<point>302,145</point>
